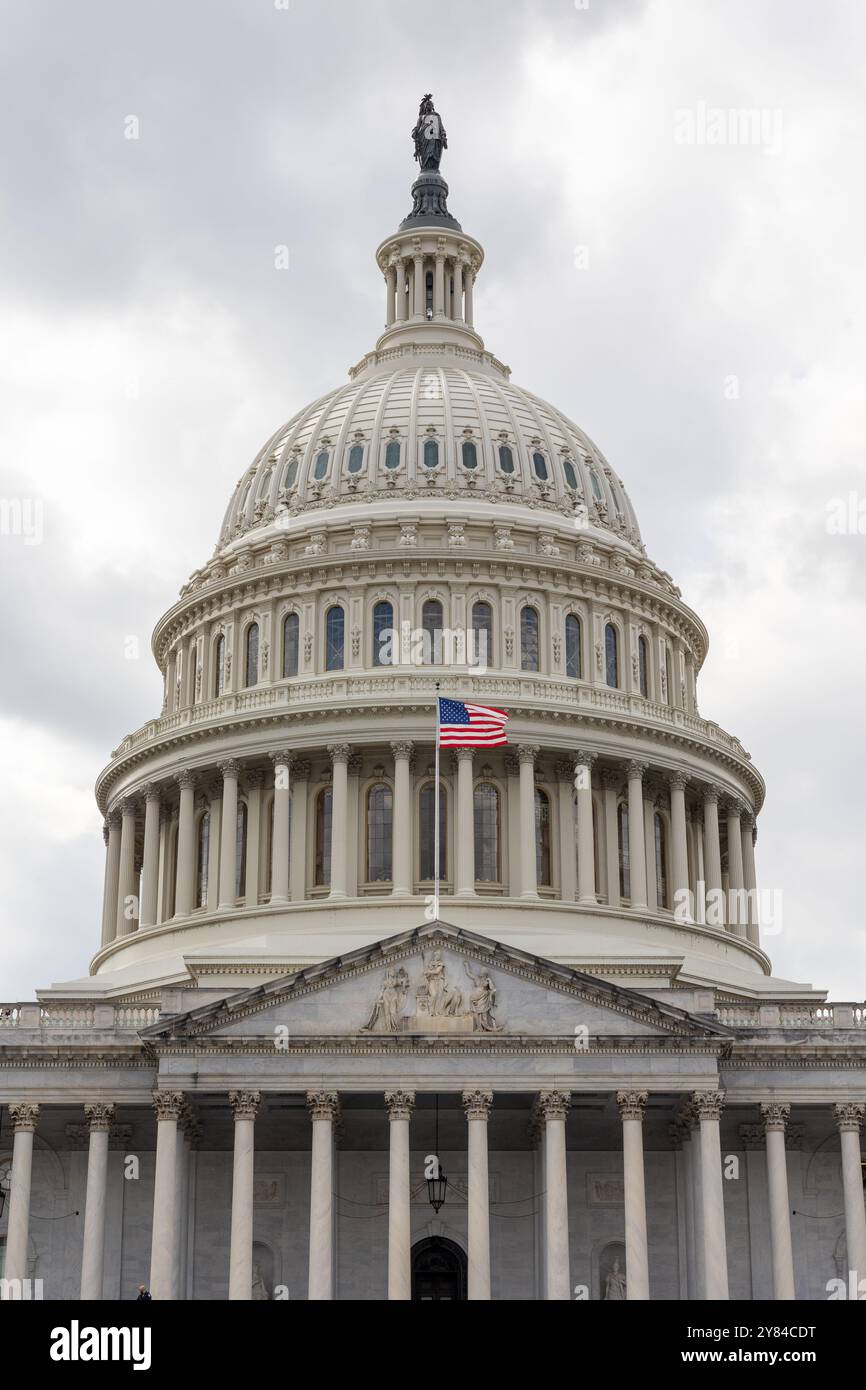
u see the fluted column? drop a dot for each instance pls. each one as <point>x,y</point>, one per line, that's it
<point>323,1107</point>
<point>339,755</point>
<point>468,284</point>
<point>390,294</point>
<point>527,753</point>
<point>712,851</point>
<point>150,865</point>
<point>244,1106</point>
<point>775,1119</point>
<point>553,1108</point>
<point>631,1108</point>
<point>679,844</point>
<point>402,292</point>
<point>185,887</point>
<point>23,1116</point>
<point>849,1119</point>
<point>464,836</point>
<point>168,1106</point>
<point>439,285</point>
<point>401,871</point>
<point>100,1118</point>
<point>708,1106</point>
<point>458,289</point>
<point>126,888</point>
<point>229,833</point>
<point>400,1106</point>
<point>636,836</point>
<point>282,810</point>
<point>112,876</point>
<point>747,837</point>
<point>737,918</point>
<point>583,765</point>
<point>477,1107</point>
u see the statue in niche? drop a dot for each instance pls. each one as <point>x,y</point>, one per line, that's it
<point>615,1284</point>
<point>429,135</point>
<point>445,999</point>
<point>389,1005</point>
<point>482,1002</point>
<point>260,1289</point>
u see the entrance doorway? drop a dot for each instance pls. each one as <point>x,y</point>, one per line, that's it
<point>438,1271</point>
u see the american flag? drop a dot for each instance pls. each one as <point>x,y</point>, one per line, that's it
<point>470,726</point>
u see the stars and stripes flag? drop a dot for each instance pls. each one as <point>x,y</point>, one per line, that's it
<point>464,725</point>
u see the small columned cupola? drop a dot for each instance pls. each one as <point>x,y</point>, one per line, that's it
<point>430,264</point>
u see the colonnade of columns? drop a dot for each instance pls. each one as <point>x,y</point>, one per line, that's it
<point>406,296</point>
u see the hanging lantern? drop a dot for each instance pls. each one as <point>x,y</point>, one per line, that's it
<point>437,1184</point>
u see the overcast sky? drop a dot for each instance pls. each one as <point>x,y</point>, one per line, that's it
<point>689,290</point>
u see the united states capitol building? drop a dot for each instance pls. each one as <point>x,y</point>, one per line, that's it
<point>285,1073</point>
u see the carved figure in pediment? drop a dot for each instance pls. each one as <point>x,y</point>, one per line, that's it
<point>388,1007</point>
<point>444,999</point>
<point>482,1002</point>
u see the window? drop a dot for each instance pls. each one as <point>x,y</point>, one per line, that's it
<point>245,492</point>
<point>486,809</point>
<point>380,816</point>
<point>506,459</point>
<point>570,475</point>
<point>428,286</point>
<point>202,856</point>
<point>595,485</point>
<point>528,639</point>
<point>241,851</point>
<point>431,626</point>
<point>251,655</point>
<point>431,453</point>
<point>291,630</point>
<point>324,804</point>
<point>572,646</point>
<point>539,465</point>
<point>356,459</point>
<point>661,850</point>
<point>383,629</point>
<point>291,473</point>
<point>219,659</point>
<point>320,467</point>
<point>470,454</point>
<point>392,454</point>
<point>482,635</point>
<point>542,839</point>
<point>643,665</point>
<point>335,625</point>
<point>427,800</point>
<point>622,836</point>
<point>611,656</point>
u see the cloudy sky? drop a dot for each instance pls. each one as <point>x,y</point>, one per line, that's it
<point>687,287</point>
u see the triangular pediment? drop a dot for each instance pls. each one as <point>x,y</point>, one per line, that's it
<point>437,980</point>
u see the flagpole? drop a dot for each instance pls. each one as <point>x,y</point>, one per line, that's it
<point>436,816</point>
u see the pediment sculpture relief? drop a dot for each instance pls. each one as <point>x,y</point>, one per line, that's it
<point>441,1005</point>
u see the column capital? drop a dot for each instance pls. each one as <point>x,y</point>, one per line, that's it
<point>636,768</point>
<point>678,779</point>
<point>711,792</point>
<point>477,1104</point>
<point>527,753</point>
<point>403,749</point>
<point>113,818</point>
<point>708,1104</point>
<point>323,1105</point>
<point>282,757</point>
<point>339,752</point>
<point>129,807</point>
<point>632,1104</point>
<point>849,1116</point>
<point>583,758</point>
<point>245,1104</point>
<point>24,1115</point>
<point>775,1116</point>
<point>464,755</point>
<point>733,808</point>
<point>747,819</point>
<point>99,1116</point>
<point>150,791</point>
<point>169,1105</point>
<point>229,767</point>
<point>553,1105</point>
<point>400,1104</point>
<point>185,778</point>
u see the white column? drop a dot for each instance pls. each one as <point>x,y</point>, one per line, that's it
<point>737,919</point>
<point>439,285</point>
<point>111,830</point>
<point>849,1119</point>
<point>468,283</point>
<point>390,293</point>
<point>527,753</point>
<point>280,843</point>
<point>464,826</point>
<point>298,840</point>
<point>168,1106</point>
<point>181,1174</point>
<point>323,1108</point>
<point>712,851</point>
<point>583,765</point>
<point>458,289</point>
<point>708,1105</point>
<point>339,755</point>
<point>24,1117</point>
<point>747,836</point>
<point>402,292</point>
<point>553,1107</point>
<point>401,870</point>
<point>100,1118</point>
<point>636,836</point>
<point>150,865</point>
<point>679,845</point>
<point>611,781</point>
<point>631,1108</point>
<point>244,1105</point>
<point>418,296</point>
<point>477,1107</point>
<point>229,833</point>
<point>400,1105</point>
<point>126,888</point>
<point>185,888</point>
<point>775,1119</point>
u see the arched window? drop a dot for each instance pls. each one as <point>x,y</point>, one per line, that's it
<point>431,453</point>
<point>539,465</point>
<point>383,639</point>
<point>669,674</point>
<point>622,836</point>
<point>291,630</point>
<point>611,656</point>
<point>245,492</point>
<point>570,475</point>
<point>486,816</point>
<point>482,635</point>
<point>595,485</point>
<point>542,838</point>
<point>380,822</point>
<point>251,655</point>
<point>219,658</point>
<point>528,639</point>
<point>241,851</point>
<point>356,459</point>
<point>426,800</point>
<point>392,454</point>
<point>470,454</point>
<point>324,803</point>
<point>291,472</point>
<point>506,459</point>
<point>661,849</point>
<point>572,646</point>
<point>643,665</point>
<point>428,286</point>
<point>320,467</point>
<point>431,626</point>
<point>335,629</point>
<point>202,857</point>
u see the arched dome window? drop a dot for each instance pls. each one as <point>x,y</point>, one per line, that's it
<point>392,454</point>
<point>241,851</point>
<point>572,646</point>
<point>470,454</point>
<point>528,639</point>
<point>431,626</point>
<point>245,492</point>
<point>542,838</point>
<point>320,467</point>
<point>202,858</point>
<point>426,810</point>
<point>356,459</point>
<point>431,453</point>
<point>291,472</point>
<point>486,819</point>
<point>251,655</point>
<point>506,459</point>
<point>335,632</point>
<point>539,466</point>
<point>291,633</point>
<point>482,635</point>
<point>570,475</point>
<point>611,656</point>
<point>219,663</point>
<point>622,840</point>
<point>595,485</point>
<point>380,816</point>
<point>383,634</point>
<point>324,805</point>
<point>643,665</point>
<point>661,853</point>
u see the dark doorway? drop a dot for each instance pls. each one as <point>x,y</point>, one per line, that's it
<point>438,1271</point>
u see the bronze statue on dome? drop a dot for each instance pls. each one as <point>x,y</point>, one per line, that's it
<point>429,135</point>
